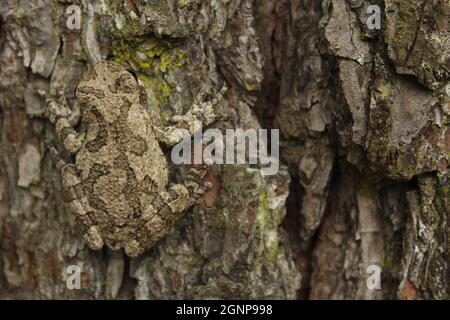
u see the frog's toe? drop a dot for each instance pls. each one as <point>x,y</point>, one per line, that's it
<point>133,248</point>
<point>93,238</point>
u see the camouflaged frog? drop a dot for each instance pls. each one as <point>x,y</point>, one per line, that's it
<point>118,186</point>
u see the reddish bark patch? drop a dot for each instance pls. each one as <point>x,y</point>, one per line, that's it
<point>15,122</point>
<point>133,7</point>
<point>408,291</point>
<point>176,280</point>
<point>210,196</point>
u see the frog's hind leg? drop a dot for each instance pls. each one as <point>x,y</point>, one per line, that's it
<point>166,209</point>
<point>77,203</point>
<point>158,218</point>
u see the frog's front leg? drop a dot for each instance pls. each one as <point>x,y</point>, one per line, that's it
<point>64,120</point>
<point>203,111</point>
<point>59,114</point>
<point>165,210</point>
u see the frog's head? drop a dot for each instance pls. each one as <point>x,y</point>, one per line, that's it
<point>106,77</point>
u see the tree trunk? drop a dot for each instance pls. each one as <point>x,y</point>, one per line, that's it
<point>365,145</point>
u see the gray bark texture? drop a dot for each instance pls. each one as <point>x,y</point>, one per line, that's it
<point>365,146</point>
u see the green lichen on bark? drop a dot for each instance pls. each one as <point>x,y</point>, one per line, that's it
<point>153,60</point>
<point>418,38</point>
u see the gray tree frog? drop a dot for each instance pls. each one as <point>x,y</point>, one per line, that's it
<point>118,186</point>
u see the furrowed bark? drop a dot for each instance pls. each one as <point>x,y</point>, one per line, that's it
<point>363,116</point>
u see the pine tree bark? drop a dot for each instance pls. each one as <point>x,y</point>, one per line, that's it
<point>365,145</point>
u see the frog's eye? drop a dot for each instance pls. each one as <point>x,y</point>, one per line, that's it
<point>142,96</point>
<point>126,83</point>
<point>84,90</point>
<point>111,66</point>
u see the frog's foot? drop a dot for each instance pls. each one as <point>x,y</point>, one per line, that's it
<point>133,248</point>
<point>93,238</point>
<point>159,219</point>
<point>54,109</point>
<point>56,157</point>
<point>203,112</point>
<point>194,182</point>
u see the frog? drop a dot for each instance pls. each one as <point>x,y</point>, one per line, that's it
<point>116,182</point>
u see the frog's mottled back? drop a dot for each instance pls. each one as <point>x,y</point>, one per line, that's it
<point>117,188</point>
